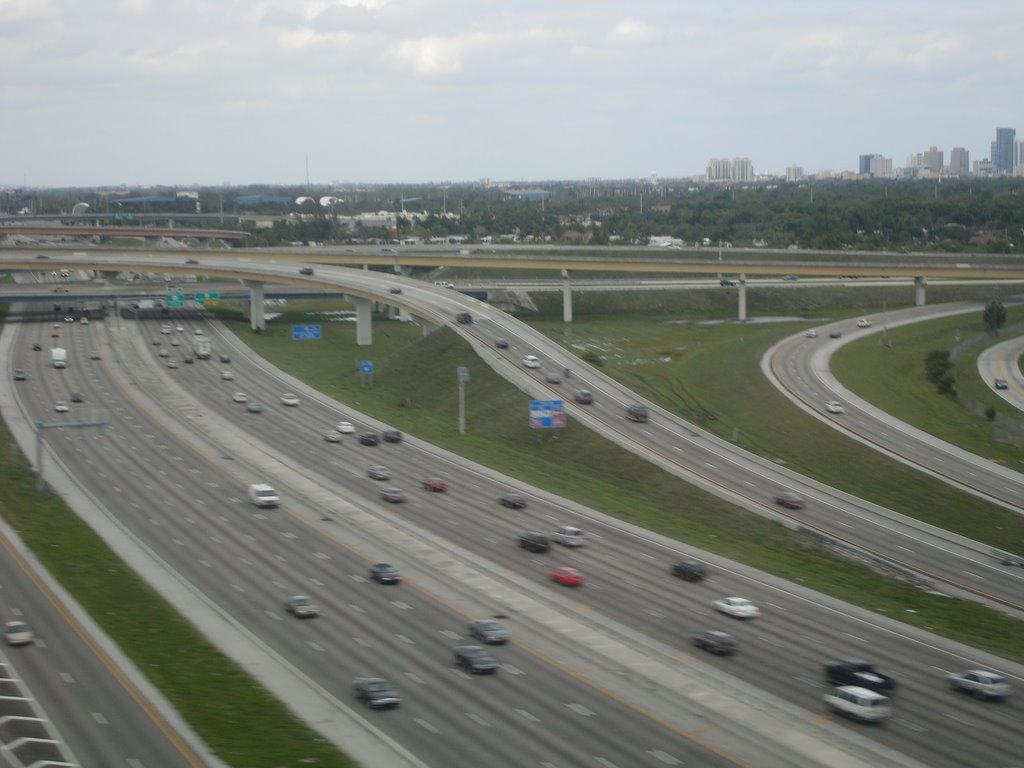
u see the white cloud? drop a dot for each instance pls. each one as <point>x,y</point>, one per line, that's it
<point>632,31</point>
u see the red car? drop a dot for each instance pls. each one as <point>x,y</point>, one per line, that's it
<point>568,577</point>
<point>55,334</point>
<point>435,484</point>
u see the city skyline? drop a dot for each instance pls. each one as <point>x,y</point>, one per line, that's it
<point>148,92</point>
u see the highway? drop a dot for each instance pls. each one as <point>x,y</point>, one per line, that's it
<point>780,652</point>
<point>633,594</point>
<point>1002,361</point>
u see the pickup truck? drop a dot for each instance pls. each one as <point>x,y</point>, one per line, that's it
<point>858,673</point>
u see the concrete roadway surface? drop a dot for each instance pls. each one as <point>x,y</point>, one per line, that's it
<point>99,708</point>
<point>800,368</point>
<point>1002,361</point>
<point>239,564</point>
<point>626,568</point>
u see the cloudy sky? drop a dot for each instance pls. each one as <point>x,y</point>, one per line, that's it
<point>205,92</point>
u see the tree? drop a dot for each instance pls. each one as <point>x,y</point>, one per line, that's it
<point>994,316</point>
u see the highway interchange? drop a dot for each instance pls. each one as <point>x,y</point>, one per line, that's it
<point>626,569</point>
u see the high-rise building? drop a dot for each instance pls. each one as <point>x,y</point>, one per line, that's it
<point>742,169</point>
<point>864,166</point>
<point>880,167</point>
<point>1002,150</point>
<point>933,160</point>
<point>959,162</point>
<point>1018,157</point>
<point>719,169</point>
<point>795,173</point>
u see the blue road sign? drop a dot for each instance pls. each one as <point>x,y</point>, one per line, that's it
<point>547,414</point>
<point>304,332</point>
<point>366,366</point>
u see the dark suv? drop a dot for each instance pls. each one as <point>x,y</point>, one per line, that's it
<point>533,541</point>
<point>376,692</point>
<point>465,318</point>
<point>475,659</point>
<point>860,673</point>
<point>689,570</point>
<point>385,573</point>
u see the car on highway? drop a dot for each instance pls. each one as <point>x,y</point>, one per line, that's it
<point>393,495</point>
<point>55,335</point>
<point>179,328</point>
<point>37,347</point>
<point>19,374</point>
<point>198,332</point>
<point>188,359</point>
<point>301,607</point>
<point>583,397</point>
<point>306,271</point>
<point>61,407</point>
<point>191,261</point>
<point>570,536</point>
<point>835,334</point>
<point>552,378</point>
<point>1000,384</point>
<point>811,334</point>
<point>475,659</point>
<point>714,641</point>
<point>567,576</point>
<point>253,407</point>
<point>396,291</point>
<point>863,323</point>
<point>175,343</point>
<point>435,484</point>
<point>94,355</point>
<point>165,329</point>
<point>859,703</point>
<point>240,397</point>
<point>369,438</point>
<point>689,570</point>
<point>980,683</point>
<point>531,361</point>
<point>391,436</point>
<point>77,397</point>
<point>378,473</point>
<point>227,375</point>
<point>164,352</point>
<point>857,672</point>
<point>465,318</point>
<point>225,359</point>
<point>385,573</point>
<point>376,692</point>
<point>790,278</point>
<point>345,427</point>
<point>737,607</point>
<point>534,541</point>
<point>726,283</point>
<point>331,436</point>
<point>512,500</point>
<point>18,633</point>
<point>834,406</point>
<point>488,631</point>
<point>790,500</point>
<point>501,343</point>
<point>172,363</point>
<point>289,399</point>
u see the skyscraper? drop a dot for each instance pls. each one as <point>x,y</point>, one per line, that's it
<point>959,162</point>
<point>1002,150</point>
<point>864,167</point>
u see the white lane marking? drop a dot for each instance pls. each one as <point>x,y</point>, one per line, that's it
<point>527,715</point>
<point>664,757</point>
<point>67,677</point>
<point>315,646</point>
<point>362,642</point>
<point>478,720</point>
<point>357,608</point>
<point>580,709</point>
<point>415,678</point>
<point>99,718</point>
<point>858,639</point>
<point>605,763</point>
<point>425,724</point>
<point>405,639</point>
<point>401,606</point>
<point>511,669</point>
<point>451,634</point>
<point>979,578</point>
<point>911,726</point>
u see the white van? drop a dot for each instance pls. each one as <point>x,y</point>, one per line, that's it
<point>570,536</point>
<point>263,495</point>
<point>859,703</point>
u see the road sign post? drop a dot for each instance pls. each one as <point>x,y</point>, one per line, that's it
<point>365,372</point>
<point>463,375</point>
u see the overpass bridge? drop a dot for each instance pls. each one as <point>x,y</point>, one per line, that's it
<point>150,234</point>
<point>256,267</point>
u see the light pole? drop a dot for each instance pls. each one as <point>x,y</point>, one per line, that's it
<point>463,375</point>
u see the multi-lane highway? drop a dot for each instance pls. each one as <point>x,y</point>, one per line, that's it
<point>626,569</point>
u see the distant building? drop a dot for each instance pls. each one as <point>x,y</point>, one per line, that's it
<point>742,169</point>
<point>719,170</point>
<point>959,162</point>
<point>1002,150</point>
<point>795,173</point>
<point>984,167</point>
<point>1018,157</point>
<point>864,166</point>
<point>933,160</point>
<point>880,167</point>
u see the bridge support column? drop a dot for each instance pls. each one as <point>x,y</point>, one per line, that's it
<point>404,316</point>
<point>257,320</point>
<point>920,283</point>
<point>364,322</point>
<point>743,297</point>
<point>566,296</point>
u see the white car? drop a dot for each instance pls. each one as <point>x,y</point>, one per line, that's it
<point>862,323</point>
<point>570,536</point>
<point>737,607</point>
<point>18,633</point>
<point>61,407</point>
<point>165,329</point>
<point>179,328</point>
<point>980,683</point>
<point>859,703</point>
<point>811,334</point>
<point>289,399</point>
<point>531,361</point>
<point>834,406</point>
<point>332,436</point>
<point>240,397</point>
<point>227,375</point>
<point>345,427</point>
<point>198,332</point>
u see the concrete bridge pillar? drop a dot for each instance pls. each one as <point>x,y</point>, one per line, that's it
<point>404,316</point>
<point>566,296</point>
<point>743,297</point>
<point>257,320</point>
<point>364,322</point>
<point>920,283</point>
